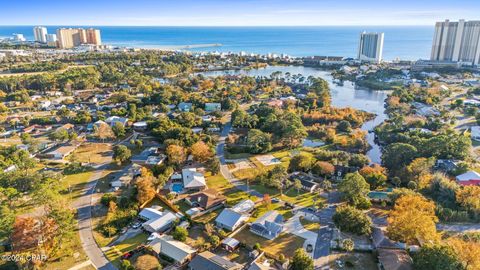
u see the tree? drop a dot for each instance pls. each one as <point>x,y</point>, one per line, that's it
<point>147,262</point>
<point>349,219</point>
<point>121,153</point>
<point>180,234</point>
<point>323,168</point>
<point>397,155</point>
<point>354,188</point>
<point>213,165</point>
<point>118,129</point>
<point>301,162</point>
<point>412,219</point>
<point>144,183</point>
<point>201,152</point>
<point>469,198</point>
<point>103,131</point>
<point>418,168</point>
<point>374,175</point>
<point>467,251</point>
<point>7,218</point>
<point>297,184</point>
<point>344,126</point>
<point>258,141</point>
<point>215,240</point>
<point>437,257</point>
<point>176,154</point>
<point>348,245</point>
<point>301,260</point>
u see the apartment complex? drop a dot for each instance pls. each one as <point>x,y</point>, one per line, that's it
<point>73,37</point>
<point>457,42</point>
<point>40,34</point>
<point>370,48</point>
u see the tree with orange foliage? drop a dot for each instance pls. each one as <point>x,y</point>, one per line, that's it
<point>145,188</point>
<point>323,168</point>
<point>32,235</point>
<point>176,154</point>
<point>469,197</point>
<point>375,175</point>
<point>412,220</point>
<point>467,251</point>
<point>201,152</point>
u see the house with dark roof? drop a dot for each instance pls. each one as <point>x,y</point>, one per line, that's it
<point>206,199</point>
<point>394,259</point>
<point>269,226</point>
<point>211,261</point>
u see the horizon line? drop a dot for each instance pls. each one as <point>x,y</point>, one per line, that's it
<point>320,25</point>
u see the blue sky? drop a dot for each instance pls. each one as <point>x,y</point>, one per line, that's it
<point>235,12</point>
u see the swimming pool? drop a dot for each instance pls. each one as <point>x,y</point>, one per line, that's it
<point>177,187</point>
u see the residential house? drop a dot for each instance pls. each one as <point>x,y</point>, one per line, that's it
<point>149,213</point>
<point>185,106</point>
<point>176,250</point>
<point>193,180</point>
<point>307,181</point>
<point>140,126</point>
<point>447,165</point>
<point>230,244</point>
<point>469,178</point>
<point>149,156</point>
<point>208,260</point>
<point>206,199</point>
<point>160,224</point>
<point>62,151</point>
<point>112,120</point>
<point>213,107</point>
<point>230,220</point>
<point>269,226</point>
<point>244,206</point>
<point>475,133</point>
<point>394,259</point>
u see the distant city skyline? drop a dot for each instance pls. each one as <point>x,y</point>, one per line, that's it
<point>235,13</point>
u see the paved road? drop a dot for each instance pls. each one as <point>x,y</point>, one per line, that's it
<point>325,233</point>
<point>462,228</point>
<point>239,184</point>
<point>84,213</point>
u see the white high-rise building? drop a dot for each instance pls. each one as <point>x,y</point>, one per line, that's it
<point>457,42</point>
<point>40,34</point>
<point>371,47</point>
<point>52,40</point>
<point>18,37</point>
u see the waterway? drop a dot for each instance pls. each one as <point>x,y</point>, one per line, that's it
<point>346,95</point>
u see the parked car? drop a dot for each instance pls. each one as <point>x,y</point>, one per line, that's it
<point>127,255</point>
<point>136,225</point>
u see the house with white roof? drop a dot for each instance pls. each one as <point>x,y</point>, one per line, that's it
<point>116,119</point>
<point>176,250</point>
<point>475,133</point>
<point>230,220</point>
<point>149,214</point>
<point>160,224</point>
<point>193,180</point>
<point>469,178</point>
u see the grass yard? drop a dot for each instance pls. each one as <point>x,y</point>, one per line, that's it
<point>262,209</point>
<point>75,184</point>
<point>236,156</point>
<point>94,153</point>
<point>284,244</point>
<point>208,217</point>
<point>117,251</point>
<point>219,183</point>
<point>360,260</point>
<point>310,225</point>
<point>302,198</point>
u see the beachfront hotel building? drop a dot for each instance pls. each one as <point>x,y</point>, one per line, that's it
<point>40,34</point>
<point>72,37</point>
<point>457,42</point>
<point>370,48</point>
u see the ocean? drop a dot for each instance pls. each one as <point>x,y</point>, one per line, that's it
<point>404,42</point>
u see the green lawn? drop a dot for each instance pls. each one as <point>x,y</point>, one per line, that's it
<point>75,183</point>
<point>117,251</point>
<point>219,183</point>
<point>310,225</point>
<point>284,244</point>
